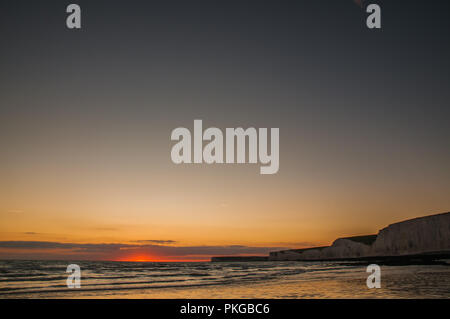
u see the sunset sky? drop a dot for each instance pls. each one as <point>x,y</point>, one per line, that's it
<point>86,117</point>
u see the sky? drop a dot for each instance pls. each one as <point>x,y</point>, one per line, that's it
<point>86,117</point>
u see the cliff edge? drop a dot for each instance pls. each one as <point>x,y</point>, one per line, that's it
<point>423,235</point>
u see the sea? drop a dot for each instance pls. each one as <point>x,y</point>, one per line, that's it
<point>186,280</point>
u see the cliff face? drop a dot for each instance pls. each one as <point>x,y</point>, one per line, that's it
<point>415,236</point>
<point>341,248</point>
<point>345,248</point>
<point>419,235</point>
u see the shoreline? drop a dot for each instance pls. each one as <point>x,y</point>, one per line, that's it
<point>403,260</point>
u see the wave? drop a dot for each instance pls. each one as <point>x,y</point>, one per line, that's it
<point>50,277</point>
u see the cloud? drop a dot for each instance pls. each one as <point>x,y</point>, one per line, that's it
<point>57,250</point>
<point>57,245</point>
<point>15,212</point>
<point>155,241</point>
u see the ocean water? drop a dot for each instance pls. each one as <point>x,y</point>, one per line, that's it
<point>47,279</point>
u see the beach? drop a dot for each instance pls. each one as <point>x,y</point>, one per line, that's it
<point>288,279</point>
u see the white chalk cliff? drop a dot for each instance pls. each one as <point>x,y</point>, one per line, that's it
<point>429,234</point>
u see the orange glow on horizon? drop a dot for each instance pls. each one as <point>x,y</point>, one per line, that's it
<point>147,258</point>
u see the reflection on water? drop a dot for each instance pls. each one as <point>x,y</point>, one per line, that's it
<point>47,279</point>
